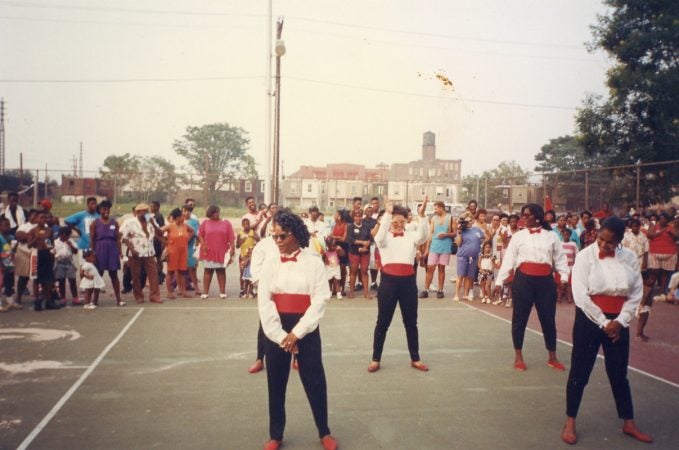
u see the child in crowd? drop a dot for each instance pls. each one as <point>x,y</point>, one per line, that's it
<point>9,248</point>
<point>64,267</point>
<point>41,240</point>
<point>246,278</point>
<point>331,258</point>
<point>246,240</point>
<point>570,248</point>
<point>90,280</point>
<point>486,266</point>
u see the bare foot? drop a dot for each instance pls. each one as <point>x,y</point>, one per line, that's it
<point>368,296</point>
<point>350,295</point>
<point>642,338</point>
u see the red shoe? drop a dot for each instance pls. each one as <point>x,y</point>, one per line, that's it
<point>638,435</point>
<point>295,365</point>
<point>419,365</point>
<point>329,442</point>
<point>256,367</point>
<point>520,366</point>
<point>556,365</point>
<point>272,445</point>
<point>374,366</point>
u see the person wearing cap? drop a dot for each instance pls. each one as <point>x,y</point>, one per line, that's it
<point>81,222</point>
<point>138,234</point>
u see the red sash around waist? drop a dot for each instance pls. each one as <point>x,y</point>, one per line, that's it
<point>609,304</point>
<point>536,269</point>
<point>398,270</point>
<point>292,303</point>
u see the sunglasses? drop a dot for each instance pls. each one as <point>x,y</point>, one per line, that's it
<point>280,237</point>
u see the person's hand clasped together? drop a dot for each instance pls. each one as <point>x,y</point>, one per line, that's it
<point>292,296</point>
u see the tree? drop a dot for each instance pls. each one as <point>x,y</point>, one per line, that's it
<point>639,121</point>
<point>218,153</point>
<point>506,173</point>
<point>565,153</point>
<point>147,177</point>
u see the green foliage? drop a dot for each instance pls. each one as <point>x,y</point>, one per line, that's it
<point>150,177</point>
<point>506,173</point>
<point>639,121</point>
<point>217,153</point>
<point>566,153</point>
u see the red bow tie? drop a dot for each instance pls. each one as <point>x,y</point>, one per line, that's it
<point>397,233</point>
<point>292,257</point>
<point>603,255</point>
<point>534,230</point>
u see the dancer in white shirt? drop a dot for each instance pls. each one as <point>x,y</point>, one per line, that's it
<point>293,292</point>
<point>607,289</point>
<point>398,283</point>
<point>534,254</point>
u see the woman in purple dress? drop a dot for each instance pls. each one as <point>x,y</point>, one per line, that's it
<point>105,242</point>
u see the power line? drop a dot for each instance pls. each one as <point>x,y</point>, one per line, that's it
<point>130,24</point>
<point>125,80</point>
<point>300,18</point>
<point>436,35</point>
<point>125,10</point>
<point>415,94</point>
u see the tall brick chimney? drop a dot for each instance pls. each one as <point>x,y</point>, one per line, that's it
<point>429,146</point>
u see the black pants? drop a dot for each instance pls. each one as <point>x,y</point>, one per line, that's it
<point>529,290</point>
<point>587,338</point>
<point>261,341</point>
<point>8,282</point>
<point>311,373</point>
<point>395,290</point>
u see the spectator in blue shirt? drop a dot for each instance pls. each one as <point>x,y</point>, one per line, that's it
<point>81,221</point>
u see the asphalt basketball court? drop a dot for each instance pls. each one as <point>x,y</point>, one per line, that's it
<point>175,376</point>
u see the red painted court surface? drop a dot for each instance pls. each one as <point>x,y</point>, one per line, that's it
<point>175,376</point>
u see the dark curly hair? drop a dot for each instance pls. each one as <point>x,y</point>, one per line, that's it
<point>539,213</point>
<point>294,224</point>
<point>616,226</point>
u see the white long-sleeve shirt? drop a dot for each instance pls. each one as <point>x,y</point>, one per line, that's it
<point>400,250</point>
<point>306,276</point>
<point>619,276</point>
<point>542,248</point>
<point>264,249</point>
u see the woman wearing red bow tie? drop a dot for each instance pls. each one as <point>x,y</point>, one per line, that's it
<point>534,254</point>
<point>292,295</point>
<point>607,289</point>
<point>398,284</point>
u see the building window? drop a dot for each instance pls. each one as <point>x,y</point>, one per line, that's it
<point>423,192</point>
<point>261,186</point>
<point>439,190</point>
<point>421,171</point>
<point>308,187</point>
<point>248,186</point>
<point>380,190</point>
<point>293,187</point>
<point>448,193</point>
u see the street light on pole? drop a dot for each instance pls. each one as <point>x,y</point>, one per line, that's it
<point>280,51</point>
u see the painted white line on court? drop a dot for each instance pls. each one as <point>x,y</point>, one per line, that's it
<point>62,401</point>
<point>254,308</point>
<point>643,372</point>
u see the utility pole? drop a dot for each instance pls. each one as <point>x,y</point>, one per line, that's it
<point>45,180</point>
<point>280,51</point>
<point>35,189</point>
<point>21,170</point>
<point>80,172</point>
<point>267,121</point>
<point>2,136</point>
<point>207,200</point>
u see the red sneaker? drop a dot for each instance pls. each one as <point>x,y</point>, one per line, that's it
<point>256,367</point>
<point>520,366</point>
<point>272,445</point>
<point>556,365</point>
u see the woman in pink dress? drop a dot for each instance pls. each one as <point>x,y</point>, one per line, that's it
<point>216,238</point>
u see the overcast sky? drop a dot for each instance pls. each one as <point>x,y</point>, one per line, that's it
<point>359,77</point>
